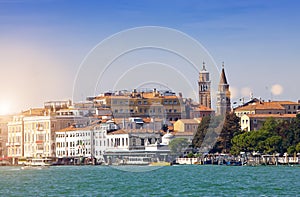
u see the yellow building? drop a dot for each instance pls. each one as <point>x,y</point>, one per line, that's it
<point>186,125</point>
<point>143,104</point>
<point>252,122</point>
<point>271,107</point>
<point>32,132</point>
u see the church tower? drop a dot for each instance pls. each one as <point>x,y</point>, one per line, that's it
<point>223,95</point>
<point>204,87</point>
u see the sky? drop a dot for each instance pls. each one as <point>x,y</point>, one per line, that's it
<point>45,44</point>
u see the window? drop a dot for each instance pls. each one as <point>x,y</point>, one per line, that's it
<point>175,102</point>
<point>145,102</point>
<point>139,102</point>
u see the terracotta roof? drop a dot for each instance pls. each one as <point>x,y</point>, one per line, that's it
<point>286,102</point>
<point>170,97</point>
<point>117,132</point>
<point>271,115</point>
<point>73,128</point>
<point>261,106</point>
<point>204,108</point>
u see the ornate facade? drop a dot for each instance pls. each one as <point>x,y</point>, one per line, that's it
<point>204,88</point>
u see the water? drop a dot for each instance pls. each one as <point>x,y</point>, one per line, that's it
<point>165,181</point>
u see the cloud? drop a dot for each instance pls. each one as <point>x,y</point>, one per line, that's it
<point>276,89</point>
<point>234,92</point>
<point>246,91</point>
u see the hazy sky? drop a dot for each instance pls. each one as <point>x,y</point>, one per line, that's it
<point>43,43</point>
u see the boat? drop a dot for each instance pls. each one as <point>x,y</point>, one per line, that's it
<point>136,161</point>
<point>37,163</point>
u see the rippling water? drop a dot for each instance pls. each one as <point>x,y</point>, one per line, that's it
<point>151,181</point>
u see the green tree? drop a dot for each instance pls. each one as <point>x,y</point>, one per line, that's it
<point>201,132</point>
<point>298,147</point>
<point>272,144</point>
<point>178,145</point>
<point>291,150</point>
<point>230,128</point>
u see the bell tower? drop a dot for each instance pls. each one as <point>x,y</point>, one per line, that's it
<point>204,87</point>
<point>223,95</point>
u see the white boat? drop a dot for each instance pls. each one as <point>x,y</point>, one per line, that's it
<point>37,163</point>
<point>138,161</point>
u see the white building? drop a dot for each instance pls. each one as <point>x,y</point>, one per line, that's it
<point>77,141</point>
<point>74,141</point>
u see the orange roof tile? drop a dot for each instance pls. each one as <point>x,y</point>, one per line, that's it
<point>261,106</point>
<point>117,132</point>
<point>204,108</point>
<point>271,115</point>
<point>286,102</point>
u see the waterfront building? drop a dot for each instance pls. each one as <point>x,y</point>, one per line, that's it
<point>252,122</point>
<point>4,135</point>
<point>105,142</point>
<point>39,133</point>
<point>223,95</point>
<point>31,133</point>
<point>136,146</point>
<point>74,142</point>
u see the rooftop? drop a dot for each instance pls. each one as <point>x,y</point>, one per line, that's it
<point>261,106</point>
<point>271,115</point>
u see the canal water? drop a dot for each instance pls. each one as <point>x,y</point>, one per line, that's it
<point>186,180</point>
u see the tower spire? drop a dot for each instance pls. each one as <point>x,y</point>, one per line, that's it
<point>223,96</point>
<point>203,67</point>
<point>223,79</point>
